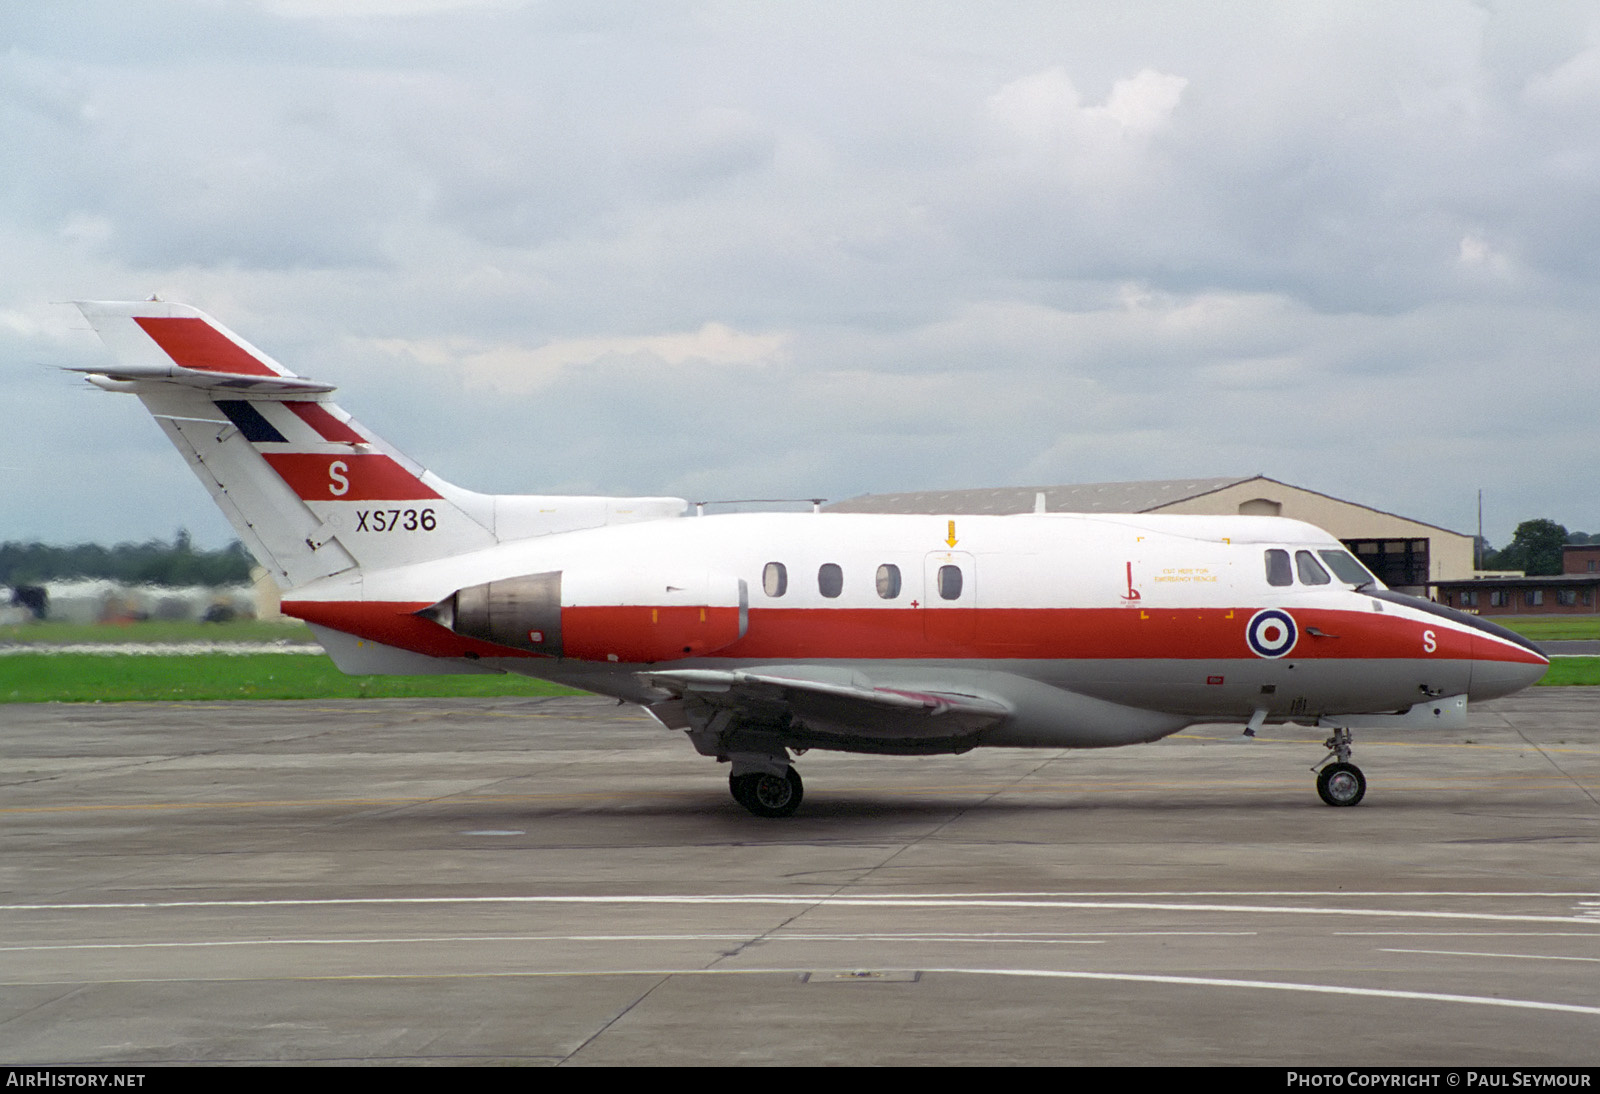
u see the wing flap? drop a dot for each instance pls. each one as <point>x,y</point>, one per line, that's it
<point>852,708</point>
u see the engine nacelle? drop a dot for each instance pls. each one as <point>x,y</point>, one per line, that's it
<point>598,615</point>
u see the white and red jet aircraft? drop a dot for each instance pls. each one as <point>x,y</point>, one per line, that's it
<point>762,633</point>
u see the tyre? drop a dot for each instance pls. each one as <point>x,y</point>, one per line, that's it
<point>1341,784</point>
<point>768,795</point>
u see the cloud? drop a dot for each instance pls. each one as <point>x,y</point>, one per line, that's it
<point>942,246</point>
<point>362,9</point>
<point>517,370</point>
<point>1143,103</point>
<point>1045,108</point>
<point>1575,83</point>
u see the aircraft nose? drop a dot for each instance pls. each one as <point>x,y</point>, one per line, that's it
<point>1500,667</point>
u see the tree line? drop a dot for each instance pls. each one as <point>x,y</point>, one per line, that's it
<point>151,563</point>
<point>1535,548</point>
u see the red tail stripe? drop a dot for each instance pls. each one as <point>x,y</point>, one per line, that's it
<point>327,426</point>
<point>194,343</point>
<point>354,476</point>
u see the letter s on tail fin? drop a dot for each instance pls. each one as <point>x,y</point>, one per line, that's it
<point>310,492</point>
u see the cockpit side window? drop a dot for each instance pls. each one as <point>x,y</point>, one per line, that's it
<point>1309,569</point>
<point>1278,571</point>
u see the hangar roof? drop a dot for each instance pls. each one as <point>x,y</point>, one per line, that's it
<point>1091,497</point>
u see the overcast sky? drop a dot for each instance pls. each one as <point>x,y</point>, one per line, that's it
<point>767,249</point>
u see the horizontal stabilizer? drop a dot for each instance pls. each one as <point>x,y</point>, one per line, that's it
<point>156,341</point>
<point>123,379</point>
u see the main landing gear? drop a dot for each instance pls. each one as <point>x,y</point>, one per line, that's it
<point>768,795</point>
<point>1340,783</point>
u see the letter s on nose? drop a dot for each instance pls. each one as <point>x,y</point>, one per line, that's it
<point>1429,642</point>
<point>339,485</point>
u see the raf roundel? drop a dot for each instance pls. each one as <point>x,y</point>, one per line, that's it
<point>1271,633</point>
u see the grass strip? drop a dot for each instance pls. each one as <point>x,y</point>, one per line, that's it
<point>96,678</point>
<point>1551,628</point>
<point>1572,672</point>
<point>50,632</point>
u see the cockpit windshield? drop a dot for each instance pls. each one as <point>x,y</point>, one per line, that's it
<point>1281,571</point>
<point>1344,564</point>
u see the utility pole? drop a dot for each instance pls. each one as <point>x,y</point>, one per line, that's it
<point>1477,544</point>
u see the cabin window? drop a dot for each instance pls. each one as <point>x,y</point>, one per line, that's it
<point>775,579</point>
<point>1278,571</point>
<point>888,581</point>
<point>950,582</point>
<point>1309,569</point>
<point>830,580</point>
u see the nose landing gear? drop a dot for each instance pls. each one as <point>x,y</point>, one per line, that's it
<point>1340,783</point>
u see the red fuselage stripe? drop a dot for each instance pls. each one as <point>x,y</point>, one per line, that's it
<point>954,633</point>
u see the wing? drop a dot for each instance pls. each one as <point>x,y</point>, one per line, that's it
<point>804,712</point>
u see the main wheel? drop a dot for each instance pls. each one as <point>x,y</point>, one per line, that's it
<point>768,795</point>
<point>1341,784</point>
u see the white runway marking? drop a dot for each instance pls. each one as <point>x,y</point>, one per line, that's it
<point>1042,901</point>
<point>1512,956</point>
<point>1275,985</point>
<point>1075,938</point>
<point>1042,974</point>
<point>1465,934</point>
<point>158,649</point>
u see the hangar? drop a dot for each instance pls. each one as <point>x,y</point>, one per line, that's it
<point>1405,554</point>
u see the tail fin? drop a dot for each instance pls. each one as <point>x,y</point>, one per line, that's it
<point>310,492</point>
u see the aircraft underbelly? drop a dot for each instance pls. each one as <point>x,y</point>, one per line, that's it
<point>1237,688</point>
<point>1086,703</point>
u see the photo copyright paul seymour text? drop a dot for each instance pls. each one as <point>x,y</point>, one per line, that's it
<point>1464,1079</point>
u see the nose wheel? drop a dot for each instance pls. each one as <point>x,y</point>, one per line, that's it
<point>1340,783</point>
<point>768,795</point>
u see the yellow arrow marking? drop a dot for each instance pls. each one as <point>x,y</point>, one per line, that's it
<point>951,540</point>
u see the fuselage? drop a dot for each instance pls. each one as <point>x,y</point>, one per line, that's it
<point>1192,617</point>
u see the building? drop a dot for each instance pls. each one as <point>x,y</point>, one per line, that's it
<point>1405,554</point>
<point>1571,592</point>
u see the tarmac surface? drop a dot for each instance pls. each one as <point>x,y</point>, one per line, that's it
<point>1570,647</point>
<point>562,881</point>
